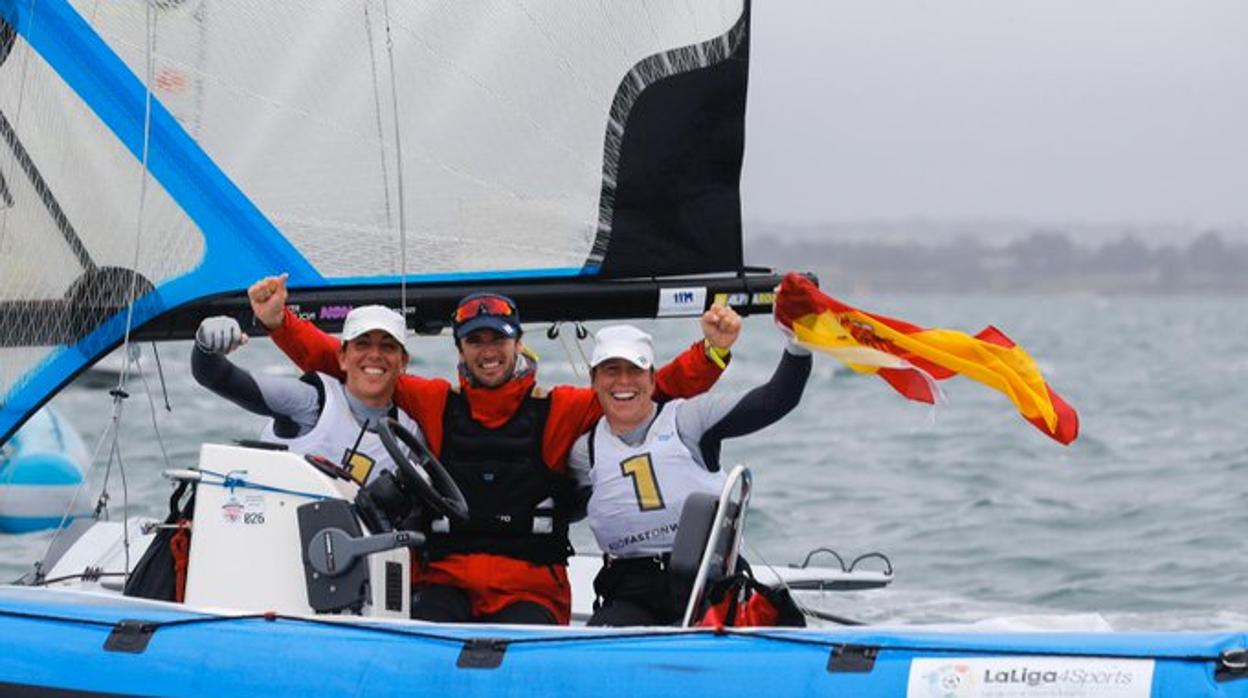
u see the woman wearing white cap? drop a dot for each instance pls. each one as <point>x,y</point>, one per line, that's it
<point>641,461</point>
<point>504,439</point>
<point>318,414</point>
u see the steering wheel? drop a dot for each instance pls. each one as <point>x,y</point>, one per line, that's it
<point>421,472</point>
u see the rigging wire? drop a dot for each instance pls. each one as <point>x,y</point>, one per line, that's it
<point>381,137</point>
<point>73,501</point>
<point>120,394</point>
<point>160,372</point>
<point>553,332</point>
<point>112,430</point>
<point>398,157</point>
<point>151,404</point>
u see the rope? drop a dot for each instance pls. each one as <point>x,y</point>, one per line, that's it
<point>231,481</point>
<point>93,575</point>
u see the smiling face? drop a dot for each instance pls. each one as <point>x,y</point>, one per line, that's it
<point>373,363</point>
<point>625,392</point>
<point>489,356</point>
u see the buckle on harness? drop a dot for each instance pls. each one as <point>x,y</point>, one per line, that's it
<point>656,562</point>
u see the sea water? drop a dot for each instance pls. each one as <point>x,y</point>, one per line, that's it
<point>980,514</point>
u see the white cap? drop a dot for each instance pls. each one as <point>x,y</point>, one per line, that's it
<point>367,318</point>
<point>623,342</point>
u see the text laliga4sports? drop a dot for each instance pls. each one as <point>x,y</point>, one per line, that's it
<point>1079,677</point>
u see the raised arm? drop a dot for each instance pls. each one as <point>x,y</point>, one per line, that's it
<point>306,345</point>
<point>705,422</point>
<point>313,350</point>
<point>696,369</point>
<point>301,341</point>
<point>294,405</point>
<point>573,410</point>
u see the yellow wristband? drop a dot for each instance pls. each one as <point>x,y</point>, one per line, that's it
<point>716,354</point>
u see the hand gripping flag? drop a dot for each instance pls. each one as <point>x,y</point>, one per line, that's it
<point>911,358</point>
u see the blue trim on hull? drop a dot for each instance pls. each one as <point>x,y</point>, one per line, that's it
<point>288,656</point>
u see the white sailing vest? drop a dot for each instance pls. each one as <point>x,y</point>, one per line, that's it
<point>336,431</point>
<point>639,491</point>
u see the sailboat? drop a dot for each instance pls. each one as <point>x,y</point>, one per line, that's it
<point>159,156</point>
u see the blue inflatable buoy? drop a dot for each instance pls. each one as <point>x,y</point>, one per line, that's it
<point>41,467</point>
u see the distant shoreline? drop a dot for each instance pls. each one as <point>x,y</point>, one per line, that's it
<point>1046,261</point>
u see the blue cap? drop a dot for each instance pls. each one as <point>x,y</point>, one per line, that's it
<point>488,311</point>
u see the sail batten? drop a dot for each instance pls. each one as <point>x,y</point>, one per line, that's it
<point>31,172</point>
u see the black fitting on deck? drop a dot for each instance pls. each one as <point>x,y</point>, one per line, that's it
<point>482,653</point>
<point>130,636</point>
<point>1232,664</point>
<point>852,659</point>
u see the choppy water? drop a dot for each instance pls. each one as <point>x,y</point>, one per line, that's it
<point>1139,520</point>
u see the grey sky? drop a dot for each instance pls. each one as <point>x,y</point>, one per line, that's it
<point>1044,110</point>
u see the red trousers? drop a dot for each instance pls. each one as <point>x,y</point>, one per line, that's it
<point>494,582</point>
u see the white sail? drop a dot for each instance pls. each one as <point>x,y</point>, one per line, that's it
<point>322,139</point>
<point>502,159</point>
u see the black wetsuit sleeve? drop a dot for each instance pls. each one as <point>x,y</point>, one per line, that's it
<point>221,376</point>
<point>754,410</point>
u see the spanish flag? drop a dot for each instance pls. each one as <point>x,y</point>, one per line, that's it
<point>911,358</point>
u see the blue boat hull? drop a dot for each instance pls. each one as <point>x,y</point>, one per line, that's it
<point>68,641</point>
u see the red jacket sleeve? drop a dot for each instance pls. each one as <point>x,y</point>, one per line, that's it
<point>691,373</point>
<point>424,399</point>
<point>306,345</point>
<point>573,411</point>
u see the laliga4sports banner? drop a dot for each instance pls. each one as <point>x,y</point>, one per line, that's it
<point>911,358</point>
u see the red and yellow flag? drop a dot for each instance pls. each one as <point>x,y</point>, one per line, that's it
<point>911,358</point>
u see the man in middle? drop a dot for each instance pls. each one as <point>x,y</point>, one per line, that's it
<point>505,441</point>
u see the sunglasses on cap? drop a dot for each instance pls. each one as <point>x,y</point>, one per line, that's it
<point>482,305</point>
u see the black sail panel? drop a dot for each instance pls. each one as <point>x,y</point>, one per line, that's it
<point>675,207</point>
